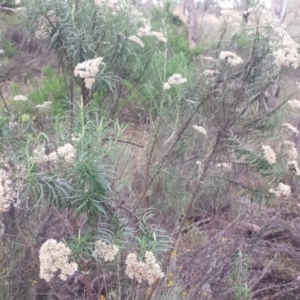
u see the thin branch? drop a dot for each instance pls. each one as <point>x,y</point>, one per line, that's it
<point>8,9</point>
<point>164,159</point>
<point>268,114</point>
<point>187,212</point>
<point>5,104</point>
<point>130,143</point>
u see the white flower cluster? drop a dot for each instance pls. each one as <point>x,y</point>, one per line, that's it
<point>281,190</point>
<point>291,128</point>
<point>53,257</point>
<point>223,165</point>
<point>146,31</point>
<point>76,138</point>
<point>135,12</point>
<point>7,193</point>
<point>200,129</point>
<point>285,50</point>
<point>149,270</point>
<point>20,9</point>
<point>269,154</point>
<point>287,54</point>
<point>289,149</point>
<point>52,157</point>
<point>175,79</point>
<point>20,98</point>
<point>209,58</point>
<point>262,18</point>
<point>43,28</point>
<point>294,104</point>
<point>39,155</point>
<point>88,70</point>
<point>43,106</point>
<point>137,40</point>
<point>159,36</point>
<point>293,166</point>
<point>230,57</point>
<point>105,251</point>
<point>66,152</point>
<point>111,4</point>
<point>208,73</point>
<point>232,17</point>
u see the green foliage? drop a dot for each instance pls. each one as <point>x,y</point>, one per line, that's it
<point>6,20</point>
<point>179,43</point>
<point>238,277</point>
<point>167,11</point>
<point>25,118</point>
<point>151,238</point>
<point>44,189</point>
<point>52,87</point>
<point>15,89</point>
<point>4,122</point>
<point>243,40</point>
<point>248,155</point>
<point>204,46</point>
<point>9,3</point>
<point>90,179</point>
<point>9,49</point>
<point>1,53</point>
<point>82,244</point>
<point>91,32</point>
<point>180,173</point>
<point>162,67</point>
<point>177,31</point>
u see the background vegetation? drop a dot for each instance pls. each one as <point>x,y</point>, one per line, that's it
<point>165,153</point>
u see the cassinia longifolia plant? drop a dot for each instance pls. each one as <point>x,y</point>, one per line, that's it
<point>99,43</point>
<point>73,178</point>
<point>212,130</point>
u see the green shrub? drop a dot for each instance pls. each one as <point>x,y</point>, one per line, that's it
<point>177,31</point>
<point>9,49</point>
<point>52,88</point>
<point>238,278</point>
<point>4,120</point>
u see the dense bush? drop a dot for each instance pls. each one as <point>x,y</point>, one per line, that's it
<point>83,217</point>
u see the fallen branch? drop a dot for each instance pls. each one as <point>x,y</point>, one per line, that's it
<point>7,8</point>
<point>5,104</point>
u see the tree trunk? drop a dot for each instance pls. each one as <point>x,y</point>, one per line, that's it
<point>192,22</point>
<point>85,94</point>
<point>278,8</point>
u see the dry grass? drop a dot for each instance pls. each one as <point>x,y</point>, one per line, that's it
<point>25,68</point>
<point>270,242</point>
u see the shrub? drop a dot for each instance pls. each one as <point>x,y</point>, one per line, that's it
<point>51,87</point>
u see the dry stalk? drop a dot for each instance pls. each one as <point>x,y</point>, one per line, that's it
<point>164,159</point>
<point>192,201</point>
<point>84,264</point>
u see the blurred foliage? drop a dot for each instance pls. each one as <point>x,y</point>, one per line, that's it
<point>9,49</point>
<point>51,88</point>
<point>176,175</point>
<point>177,31</point>
<point>4,122</point>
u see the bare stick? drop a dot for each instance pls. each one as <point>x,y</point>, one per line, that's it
<point>5,104</point>
<point>7,8</point>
